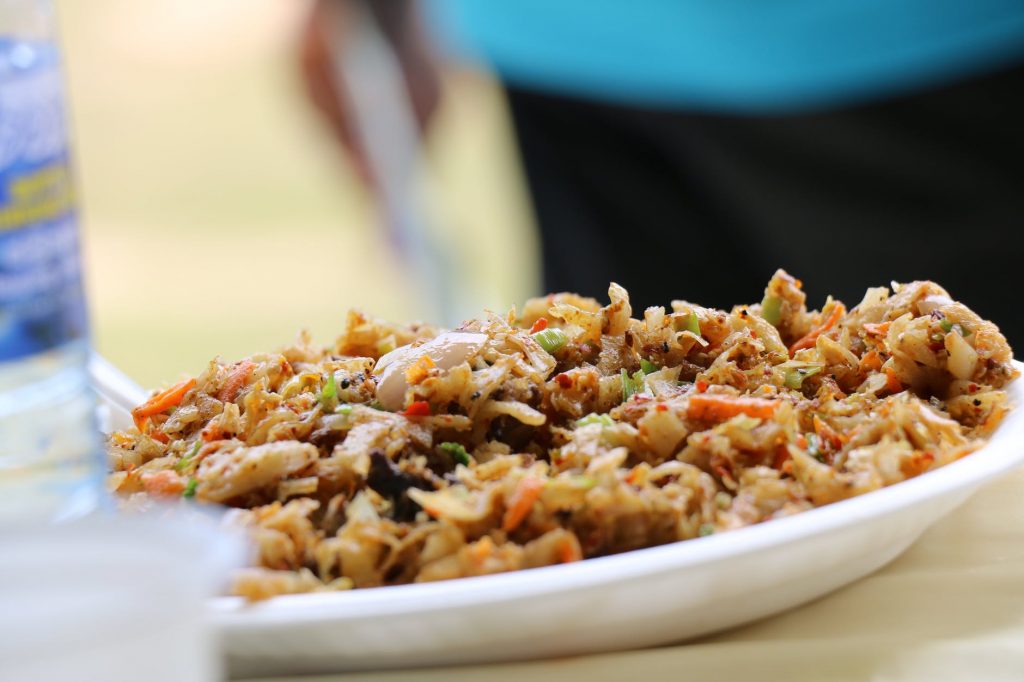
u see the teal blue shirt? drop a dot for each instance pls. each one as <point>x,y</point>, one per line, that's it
<point>739,55</point>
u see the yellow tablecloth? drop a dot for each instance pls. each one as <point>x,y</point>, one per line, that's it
<point>951,608</point>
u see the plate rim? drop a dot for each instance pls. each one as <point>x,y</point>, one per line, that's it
<point>1000,455</point>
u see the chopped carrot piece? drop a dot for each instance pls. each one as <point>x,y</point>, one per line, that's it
<point>480,550</point>
<point>811,338</point>
<point>235,381</point>
<point>161,402</point>
<point>539,326</point>
<point>892,382</point>
<point>211,432</point>
<point>526,493</point>
<point>917,464</point>
<point>420,408</point>
<point>701,386</point>
<point>160,436</point>
<point>419,369</point>
<point>570,550</point>
<point>164,482</point>
<point>718,408</point>
<point>827,433</point>
<point>877,329</point>
<point>871,362</point>
<point>781,456</point>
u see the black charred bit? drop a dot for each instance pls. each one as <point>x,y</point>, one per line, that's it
<point>389,481</point>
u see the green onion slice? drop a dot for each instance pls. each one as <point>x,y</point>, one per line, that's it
<point>771,310</point>
<point>183,463</point>
<point>457,452</point>
<point>795,376</point>
<point>330,392</point>
<point>551,339</point>
<point>594,418</point>
<point>648,367</point>
<point>631,385</point>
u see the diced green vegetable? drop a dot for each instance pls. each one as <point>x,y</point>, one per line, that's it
<point>551,339</point>
<point>705,530</point>
<point>584,482</point>
<point>723,500</point>
<point>593,418</point>
<point>343,409</point>
<point>795,376</point>
<point>648,367</point>
<point>190,489</point>
<point>690,323</point>
<point>947,326</point>
<point>628,388</point>
<point>814,447</point>
<point>457,452</point>
<point>631,385</point>
<point>185,461</point>
<point>771,310</point>
<point>329,393</point>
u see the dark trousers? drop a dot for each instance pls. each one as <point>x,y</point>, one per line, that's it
<point>704,207</point>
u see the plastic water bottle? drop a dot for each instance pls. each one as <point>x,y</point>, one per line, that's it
<point>50,459</point>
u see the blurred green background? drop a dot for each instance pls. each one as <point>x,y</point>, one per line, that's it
<point>219,217</point>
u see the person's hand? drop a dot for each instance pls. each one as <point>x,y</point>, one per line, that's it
<point>401,24</point>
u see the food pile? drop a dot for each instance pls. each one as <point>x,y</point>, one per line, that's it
<point>563,431</point>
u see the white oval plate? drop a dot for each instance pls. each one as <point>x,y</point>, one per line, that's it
<point>640,598</point>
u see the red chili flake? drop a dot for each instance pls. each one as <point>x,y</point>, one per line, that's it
<point>702,386</point>
<point>564,380</point>
<point>661,407</point>
<point>539,326</point>
<point>420,408</point>
<point>973,388</point>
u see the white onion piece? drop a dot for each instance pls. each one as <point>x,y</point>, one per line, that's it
<point>389,357</point>
<point>962,358</point>
<point>446,350</point>
<point>521,412</point>
<point>929,304</point>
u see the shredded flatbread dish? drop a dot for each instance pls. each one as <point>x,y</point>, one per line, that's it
<point>564,431</point>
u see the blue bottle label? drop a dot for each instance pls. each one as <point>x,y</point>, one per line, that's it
<point>41,300</point>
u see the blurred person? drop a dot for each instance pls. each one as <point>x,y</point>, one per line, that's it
<point>687,149</point>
